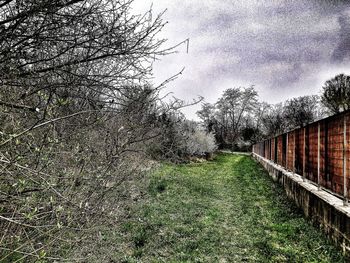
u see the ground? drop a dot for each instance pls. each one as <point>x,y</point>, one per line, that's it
<point>226,210</point>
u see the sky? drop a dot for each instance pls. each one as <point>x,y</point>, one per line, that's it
<point>285,48</point>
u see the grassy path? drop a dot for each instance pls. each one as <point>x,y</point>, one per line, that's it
<point>227,210</point>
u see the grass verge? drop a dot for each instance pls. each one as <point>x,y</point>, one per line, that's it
<point>227,210</point>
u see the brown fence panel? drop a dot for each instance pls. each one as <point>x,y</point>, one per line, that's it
<point>316,151</point>
<point>334,164</point>
<point>299,150</point>
<point>264,150</point>
<point>258,149</point>
<point>323,153</point>
<point>284,150</point>
<point>347,116</point>
<point>290,151</point>
<point>273,149</point>
<point>311,151</point>
<point>279,150</point>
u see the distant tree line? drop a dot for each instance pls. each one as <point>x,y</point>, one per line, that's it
<point>238,119</point>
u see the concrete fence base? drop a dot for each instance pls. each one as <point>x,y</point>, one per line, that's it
<point>320,206</point>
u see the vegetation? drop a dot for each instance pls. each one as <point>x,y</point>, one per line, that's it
<point>227,210</point>
<point>238,119</point>
<point>181,139</point>
<point>78,118</point>
<point>336,93</point>
<point>81,124</point>
<point>229,115</point>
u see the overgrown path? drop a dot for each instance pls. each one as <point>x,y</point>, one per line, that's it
<point>227,210</point>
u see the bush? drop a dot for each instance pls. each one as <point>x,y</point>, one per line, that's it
<point>180,139</point>
<point>200,142</point>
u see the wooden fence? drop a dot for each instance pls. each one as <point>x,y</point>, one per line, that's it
<point>319,152</point>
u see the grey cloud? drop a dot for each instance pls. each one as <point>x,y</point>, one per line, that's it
<point>281,46</point>
<point>342,51</point>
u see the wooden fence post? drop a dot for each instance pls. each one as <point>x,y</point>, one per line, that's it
<point>344,163</point>
<point>304,154</point>
<point>270,149</point>
<point>294,153</point>
<point>286,164</point>
<point>318,156</point>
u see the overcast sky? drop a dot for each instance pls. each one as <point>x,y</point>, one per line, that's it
<point>286,48</point>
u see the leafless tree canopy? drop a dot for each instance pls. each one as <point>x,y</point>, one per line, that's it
<point>238,119</point>
<point>76,111</point>
<point>336,94</point>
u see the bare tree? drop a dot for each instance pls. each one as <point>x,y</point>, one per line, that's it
<point>301,111</point>
<point>75,111</point>
<point>273,120</point>
<point>207,115</point>
<point>232,107</point>
<point>336,94</point>
<point>229,115</point>
<point>253,129</point>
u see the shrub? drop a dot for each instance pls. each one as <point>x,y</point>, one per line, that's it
<point>200,142</point>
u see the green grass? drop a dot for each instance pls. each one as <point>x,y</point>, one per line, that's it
<point>227,210</point>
